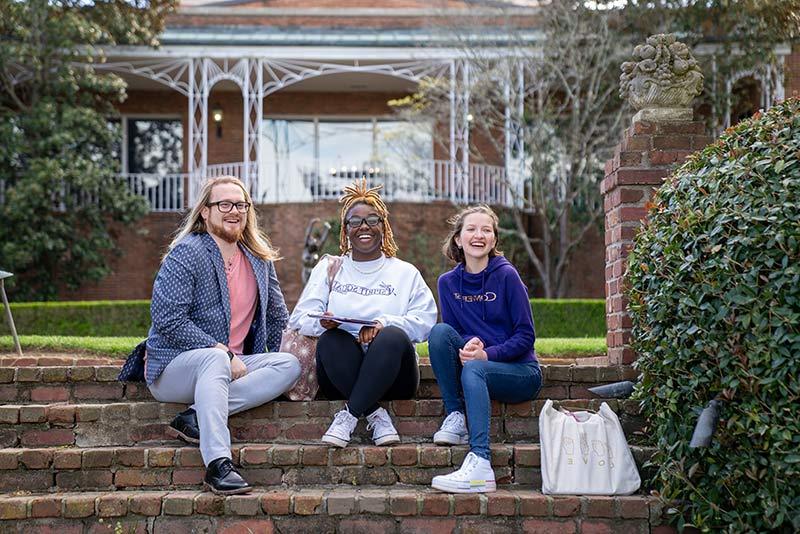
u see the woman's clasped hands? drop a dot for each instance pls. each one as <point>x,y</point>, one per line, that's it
<point>473,350</point>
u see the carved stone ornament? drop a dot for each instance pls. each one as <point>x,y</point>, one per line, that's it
<point>663,74</point>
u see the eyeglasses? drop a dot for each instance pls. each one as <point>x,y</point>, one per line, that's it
<point>225,206</point>
<point>356,222</point>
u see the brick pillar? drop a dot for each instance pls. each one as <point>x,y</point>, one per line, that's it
<point>653,146</point>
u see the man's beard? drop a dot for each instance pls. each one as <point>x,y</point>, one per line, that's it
<point>219,230</point>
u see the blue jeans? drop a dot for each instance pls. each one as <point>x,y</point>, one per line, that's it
<point>474,383</point>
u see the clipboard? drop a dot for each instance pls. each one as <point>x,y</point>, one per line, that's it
<point>340,319</point>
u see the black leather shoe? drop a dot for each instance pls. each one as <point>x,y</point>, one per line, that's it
<point>185,426</point>
<point>223,479</point>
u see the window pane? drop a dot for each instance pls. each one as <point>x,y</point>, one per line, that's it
<point>287,166</point>
<point>299,159</point>
<point>345,145</point>
<point>155,146</point>
<point>403,150</point>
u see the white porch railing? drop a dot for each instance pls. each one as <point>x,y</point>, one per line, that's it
<point>423,181</point>
<point>162,192</point>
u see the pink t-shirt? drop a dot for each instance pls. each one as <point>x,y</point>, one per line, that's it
<point>243,291</point>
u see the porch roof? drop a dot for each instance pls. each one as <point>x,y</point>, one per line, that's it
<point>348,37</point>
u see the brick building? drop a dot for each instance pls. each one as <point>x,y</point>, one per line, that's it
<point>291,96</point>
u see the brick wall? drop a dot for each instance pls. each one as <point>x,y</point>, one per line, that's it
<point>792,72</point>
<point>135,269</point>
<point>647,154</point>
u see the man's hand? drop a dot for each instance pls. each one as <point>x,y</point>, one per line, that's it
<point>473,350</point>
<point>238,368</point>
<point>368,333</point>
<point>328,325</point>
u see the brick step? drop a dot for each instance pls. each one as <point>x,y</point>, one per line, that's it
<point>85,383</point>
<point>334,509</point>
<point>130,423</point>
<point>38,360</point>
<point>168,467</point>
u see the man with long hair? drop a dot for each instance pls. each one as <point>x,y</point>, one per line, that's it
<point>217,310</point>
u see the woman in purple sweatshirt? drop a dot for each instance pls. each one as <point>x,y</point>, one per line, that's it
<point>483,349</point>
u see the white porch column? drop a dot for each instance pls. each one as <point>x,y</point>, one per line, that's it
<point>253,98</point>
<point>780,89</point>
<point>246,97</point>
<point>198,126</point>
<point>514,95</point>
<point>451,182</point>
<point>459,130</point>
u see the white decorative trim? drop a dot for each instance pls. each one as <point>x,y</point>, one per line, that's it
<point>216,11</point>
<point>170,72</point>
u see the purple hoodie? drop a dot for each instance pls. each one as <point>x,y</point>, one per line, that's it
<point>492,305</point>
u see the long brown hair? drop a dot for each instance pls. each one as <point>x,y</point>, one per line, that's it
<point>359,193</point>
<point>253,238</point>
<point>451,250</point>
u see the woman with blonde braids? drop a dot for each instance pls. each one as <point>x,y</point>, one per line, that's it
<point>364,364</point>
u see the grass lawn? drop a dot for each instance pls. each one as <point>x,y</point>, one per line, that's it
<point>121,346</point>
<point>107,346</point>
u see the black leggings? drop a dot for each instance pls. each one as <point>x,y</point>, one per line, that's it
<point>387,371</point>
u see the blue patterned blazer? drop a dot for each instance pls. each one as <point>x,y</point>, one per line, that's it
<point>191,307</point>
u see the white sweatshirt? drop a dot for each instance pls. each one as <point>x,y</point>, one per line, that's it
<point>389,290</point>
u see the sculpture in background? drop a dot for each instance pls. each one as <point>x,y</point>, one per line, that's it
<point>316,235</point>
<point>663,77</point>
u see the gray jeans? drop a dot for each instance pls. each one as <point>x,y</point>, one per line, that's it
<point>203,377</point>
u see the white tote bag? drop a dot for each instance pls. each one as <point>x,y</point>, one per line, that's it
<point>585,453</point>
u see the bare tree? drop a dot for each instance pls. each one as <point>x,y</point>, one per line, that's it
<point>562,88</point>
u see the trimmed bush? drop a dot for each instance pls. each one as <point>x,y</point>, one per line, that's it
<point>569,317</point>
<point>714,290</point>
<point>79,318</point>
<point>553,318</point>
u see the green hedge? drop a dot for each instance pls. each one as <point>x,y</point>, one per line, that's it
<point>569,317</point>
<point>714,288</point>
<point>81,318</point>
<point>553,318</point>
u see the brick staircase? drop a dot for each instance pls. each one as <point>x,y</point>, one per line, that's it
<point>81,452</point>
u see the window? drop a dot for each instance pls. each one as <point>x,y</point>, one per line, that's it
<point>151,152</point>
<point>154,146</point>
<point>305,157</point>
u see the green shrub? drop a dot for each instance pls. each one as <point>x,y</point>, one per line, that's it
<point>569,317</point>
<point>714,289</point>
<point>97,318</point>
<point>553,318</point>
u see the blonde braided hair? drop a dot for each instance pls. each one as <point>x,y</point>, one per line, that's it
<point>359,193</point>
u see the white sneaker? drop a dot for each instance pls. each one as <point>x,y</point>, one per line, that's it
<point>383,431</point>
<point>339,432</point>
<point>453,430</point>
<point>474,476</point>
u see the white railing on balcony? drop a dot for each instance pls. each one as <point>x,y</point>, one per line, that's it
<point>162,192</point>
<point>422,181</point>
<point>225,169</point>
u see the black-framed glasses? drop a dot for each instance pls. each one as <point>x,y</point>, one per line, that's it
<point>225,206</point>
<point>371,220</point>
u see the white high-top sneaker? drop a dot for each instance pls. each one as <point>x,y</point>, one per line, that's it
<point>383,431</point>
<point>474,476</point>
<point>453,430</point>
<point>339,432</point>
